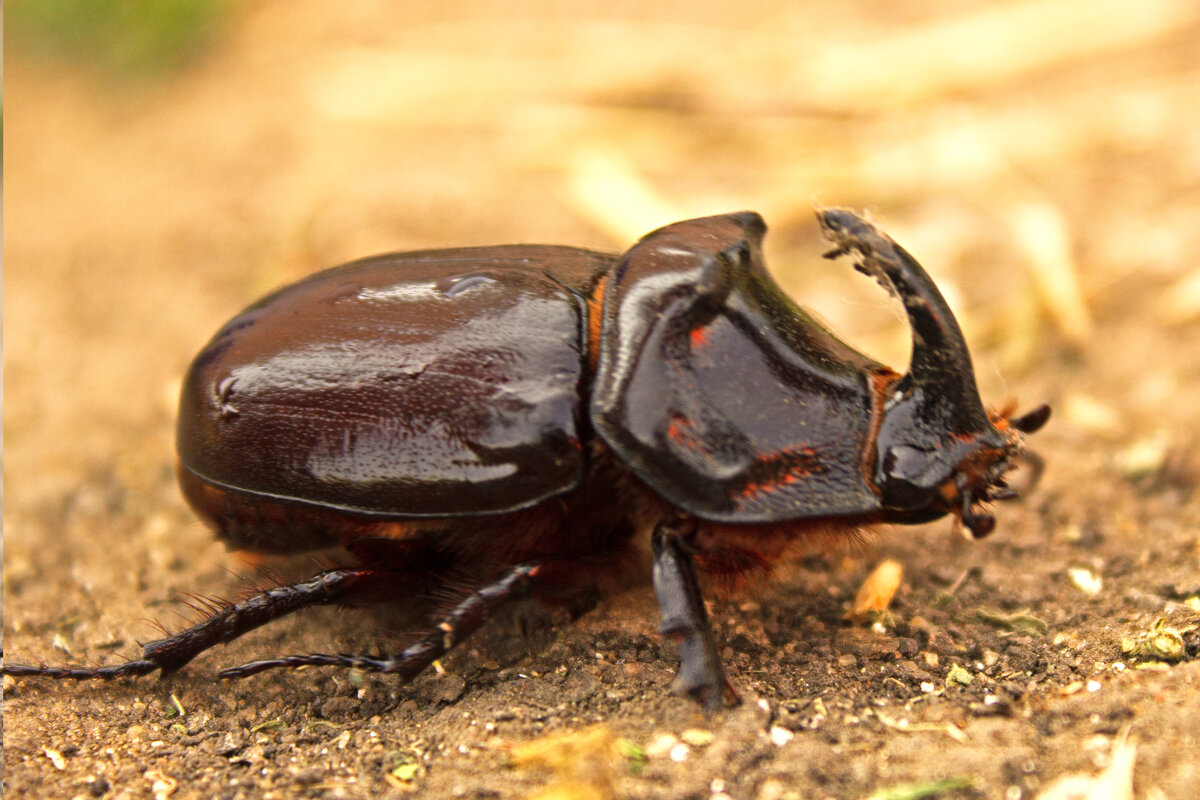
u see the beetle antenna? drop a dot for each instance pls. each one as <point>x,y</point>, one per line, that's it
<point>1032,420</point>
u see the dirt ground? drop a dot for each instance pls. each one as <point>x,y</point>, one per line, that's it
<point>1041,158</point>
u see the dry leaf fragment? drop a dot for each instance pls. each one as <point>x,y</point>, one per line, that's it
<point>1162,642</point>
<point>56,758</point>
<point>877,591</point>
<point>584,762</point>
<point>1115,782</point>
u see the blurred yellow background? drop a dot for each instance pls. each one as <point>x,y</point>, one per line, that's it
<point>163,168</point>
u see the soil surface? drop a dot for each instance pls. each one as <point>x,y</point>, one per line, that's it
<point>1052,190</point>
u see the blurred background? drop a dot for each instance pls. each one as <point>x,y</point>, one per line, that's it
<point>166,163</point>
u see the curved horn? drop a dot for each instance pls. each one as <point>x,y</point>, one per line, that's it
<point>940,366</point>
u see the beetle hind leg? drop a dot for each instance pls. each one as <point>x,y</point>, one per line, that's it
<point>223,625</point>
<point>684,617</point>
<point>130,669</point>
<point>466,618</point>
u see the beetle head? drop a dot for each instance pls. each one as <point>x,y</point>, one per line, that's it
<point>923,475</point>
<point>937,451</point>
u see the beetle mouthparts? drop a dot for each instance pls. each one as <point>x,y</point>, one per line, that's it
<point>979,524</point>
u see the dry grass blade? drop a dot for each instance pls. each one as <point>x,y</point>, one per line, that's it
<point>1043,235</point>
<point>607,190</point>
<point>996,45</point>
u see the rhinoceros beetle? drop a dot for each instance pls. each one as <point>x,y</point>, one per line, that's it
<point>481,424</point>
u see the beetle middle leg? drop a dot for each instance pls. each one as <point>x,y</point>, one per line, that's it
<point>466,618</point>
<point>683,616</point>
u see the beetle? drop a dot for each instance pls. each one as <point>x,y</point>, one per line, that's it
<point>500,422</point>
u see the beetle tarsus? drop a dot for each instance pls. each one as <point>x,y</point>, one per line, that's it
<point>130,669</point>
<point>701,673</point>
<point>466,618</point>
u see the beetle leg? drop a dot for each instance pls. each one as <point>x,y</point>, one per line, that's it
<point>684,617</point>
<point>466,618</point>
<point>129,669</point>
<point>172,652</point>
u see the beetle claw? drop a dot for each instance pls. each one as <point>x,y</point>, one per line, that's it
<point>714,695</point>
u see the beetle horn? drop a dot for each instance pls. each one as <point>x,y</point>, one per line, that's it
<point>940,367</point>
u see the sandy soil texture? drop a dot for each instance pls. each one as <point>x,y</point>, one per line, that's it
<point>1041,158</point>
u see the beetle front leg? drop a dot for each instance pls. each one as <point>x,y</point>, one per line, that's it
<point>684,617</point>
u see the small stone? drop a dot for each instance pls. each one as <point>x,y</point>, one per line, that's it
<point>450,688</point>
<point>661,745</point>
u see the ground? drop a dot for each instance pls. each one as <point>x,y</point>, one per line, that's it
<point>1047,173</point>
